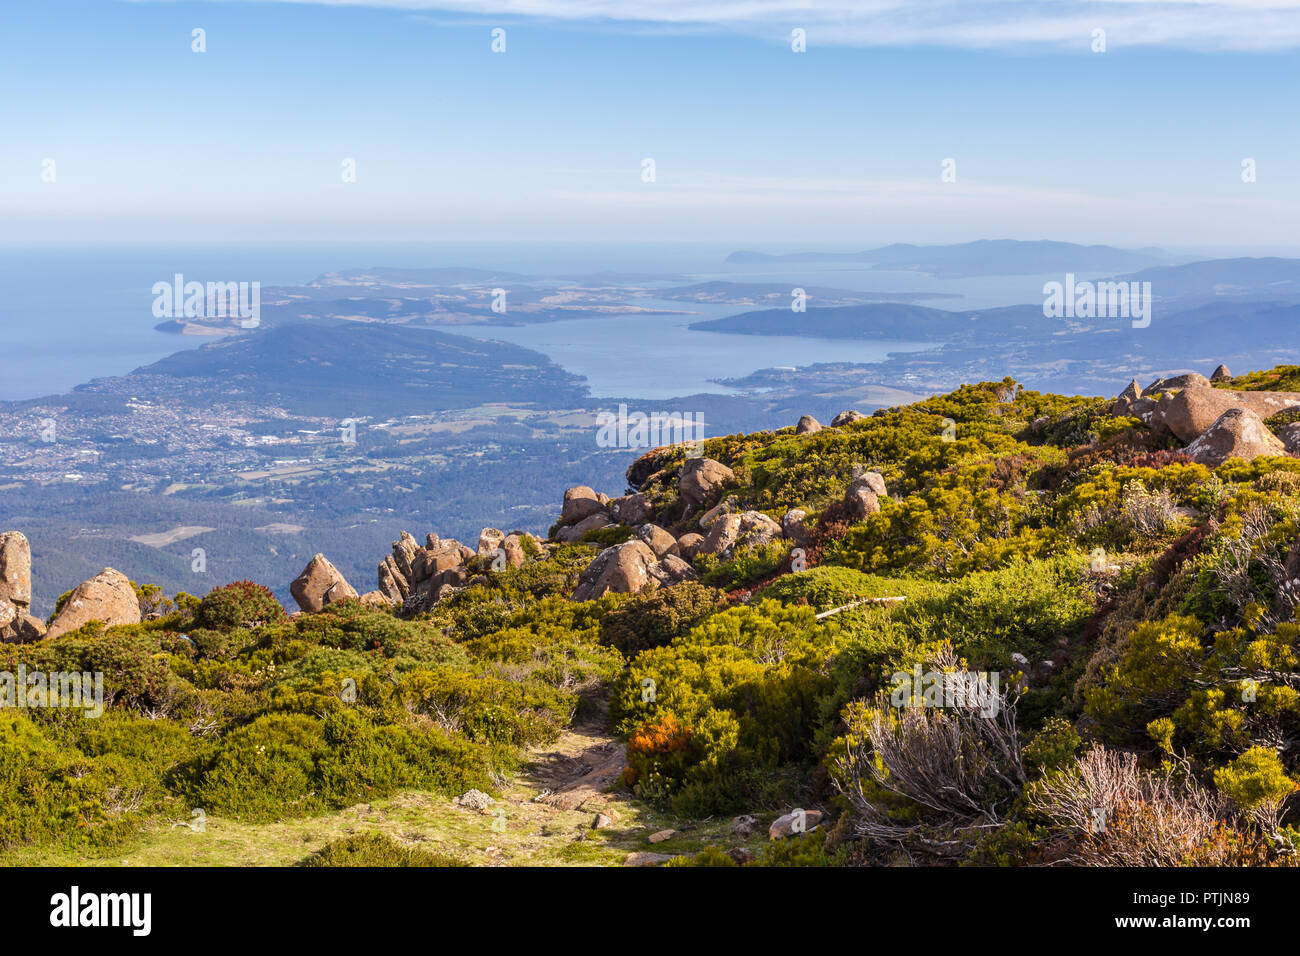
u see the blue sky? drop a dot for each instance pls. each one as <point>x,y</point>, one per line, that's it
<point>839,146</point>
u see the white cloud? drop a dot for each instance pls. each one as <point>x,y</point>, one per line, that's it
<point>1199,24</point>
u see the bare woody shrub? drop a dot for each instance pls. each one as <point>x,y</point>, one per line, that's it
<point>961,767</point>
<point>1115,813</point>
<point>1149,513</point>
<point>1255,548</point>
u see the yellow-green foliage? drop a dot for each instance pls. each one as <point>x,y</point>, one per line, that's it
<point>1209,695</point>
<point>989,533</point>
<point>1255,779</point>
<point>257,716</point>
<point>374,849</point>
<point>746,687</point>
<point>955,525</point>
<point>1280,378</point>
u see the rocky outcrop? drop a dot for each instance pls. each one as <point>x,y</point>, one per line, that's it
<point>701,479</point>
<point>1125,403</point>
<point>807,426</point>
<point>630,568</point>
<point>634,509</point>
<point>405,549</point>
<point>16,623</point>
<point>688,545</point>
<point>847,417</point>
<point>738,531</point>
<point>320,585</point>
<point>794,525</point>
<point>581,502</point>
<point>414,578</point>
<point>863,495</point>
<point>1238,433</point>
<point>107,597</point>
<point>794,823</point>
<point>1194,409</point>
<point>1290,436</point>
<point>1188,380</point>
<point>15,569</point>
<point>660,541</point>
<point>489,539</point>
<point>1221,374</point>
<point>590,523</point>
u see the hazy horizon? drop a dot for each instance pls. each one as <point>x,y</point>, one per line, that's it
<point>926,122</point>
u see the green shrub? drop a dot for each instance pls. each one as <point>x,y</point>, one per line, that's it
<point>608,536</point>
<point>746,566</point>
<point>374,849</point>
<point>51,793</point>
<point>239,604</point>
<point>654,619</point>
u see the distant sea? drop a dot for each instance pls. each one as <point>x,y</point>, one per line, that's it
<point>70,312</point>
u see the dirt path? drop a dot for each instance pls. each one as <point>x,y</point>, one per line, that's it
<point>581,770</point>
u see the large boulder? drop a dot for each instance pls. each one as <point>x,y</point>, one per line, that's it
<point>733,531</point>
<point>391,583</point>
<point>863,495</point>
<point>794,525</point>
<point>1194,409</point>
<point>702,478</point>
<point>513,546</point>
<point>1124,402</point>
<point>807,426</point>
<point>793,824</point>
<point>630,568</point>
<point>15,569</point>
<point>1238,433</point>
<point>580,502</point>
<point>1188,380</point>
<point>847,417</point>
<point>405,548</point>
<point>1290,436</point>
<point>489,539</point>
<point>688,545</point>
<point>431,562</point>
<point>872,480</point>
<point>107,597</point>
<point>861,502</point>
<point>320,585</point>
<point>1221,374</point>
<point>660,541</point>
<point>631,509</point>
<point>590,523</point>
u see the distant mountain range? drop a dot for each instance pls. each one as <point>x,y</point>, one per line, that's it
<point>983,257</point>
<point>1257,278</point>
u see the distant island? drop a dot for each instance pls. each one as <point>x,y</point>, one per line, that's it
<point>984,257</point>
